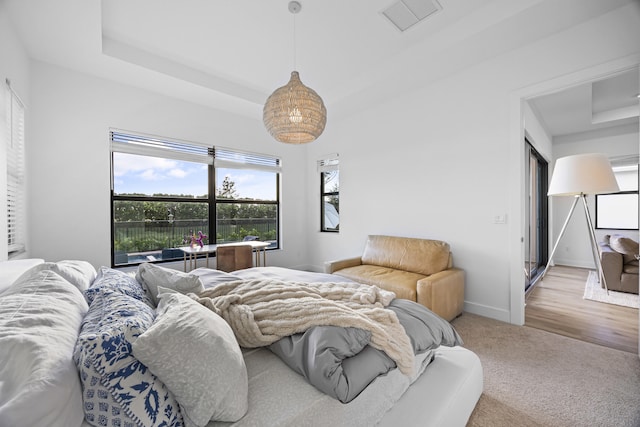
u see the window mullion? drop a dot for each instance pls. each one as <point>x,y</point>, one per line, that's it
<point>213,229</point>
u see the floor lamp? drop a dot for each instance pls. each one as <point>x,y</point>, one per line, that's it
<point>579,176</point>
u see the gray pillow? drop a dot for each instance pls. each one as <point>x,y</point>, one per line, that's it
<point>151,276</point>
<point>210,277</point>
<point>627,247</point>
<point>194,352</point>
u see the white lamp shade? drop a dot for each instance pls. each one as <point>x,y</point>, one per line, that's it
<point>582,174</point>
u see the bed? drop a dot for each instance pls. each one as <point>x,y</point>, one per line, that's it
<point>442,390</point>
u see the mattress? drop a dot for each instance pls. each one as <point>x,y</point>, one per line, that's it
<point>444,395</point>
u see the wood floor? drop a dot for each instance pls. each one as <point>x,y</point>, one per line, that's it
<point>556,305</point>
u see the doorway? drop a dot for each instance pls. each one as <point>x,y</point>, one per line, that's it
<point>536,215</point>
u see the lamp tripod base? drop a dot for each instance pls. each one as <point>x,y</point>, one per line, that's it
<point>592,239</point>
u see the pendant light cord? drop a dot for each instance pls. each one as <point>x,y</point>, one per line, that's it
<point>294,44</point>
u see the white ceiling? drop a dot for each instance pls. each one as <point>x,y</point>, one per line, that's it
<point>233,54</point>
<point>593,106</point>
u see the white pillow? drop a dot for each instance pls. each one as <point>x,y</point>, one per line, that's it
<point>194,352</point>
<point>152,276</point>
<point>79,273</point>
<point>11,270</point>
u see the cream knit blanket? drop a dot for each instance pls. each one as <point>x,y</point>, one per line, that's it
<point>262,311</point>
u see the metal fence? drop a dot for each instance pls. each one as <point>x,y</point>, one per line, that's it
<point>141,236</point>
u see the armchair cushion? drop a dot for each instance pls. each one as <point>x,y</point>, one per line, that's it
<point>402,283</point>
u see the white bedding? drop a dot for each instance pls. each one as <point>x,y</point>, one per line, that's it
<point>39,321</point>
<point>39,383</point>
<point>443,396</point>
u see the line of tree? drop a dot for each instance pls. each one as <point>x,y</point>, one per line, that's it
<point>170,217</point>
<point>155,210</point>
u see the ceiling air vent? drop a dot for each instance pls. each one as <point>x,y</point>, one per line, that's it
<point>405,13</point>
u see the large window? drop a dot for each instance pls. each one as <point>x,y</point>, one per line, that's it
<point>329,194</point>
<point>247,188</point>
<point>165,191</point>
<point>619,211</point>
<point>16,214</point>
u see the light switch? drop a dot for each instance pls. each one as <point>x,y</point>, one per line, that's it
<point>500,219</point>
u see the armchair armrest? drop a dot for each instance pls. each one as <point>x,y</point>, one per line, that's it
<point>612,264</point>
<point>443,293</point>
<point>332,266</point>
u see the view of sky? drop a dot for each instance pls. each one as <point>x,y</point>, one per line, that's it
<point>152,175</point>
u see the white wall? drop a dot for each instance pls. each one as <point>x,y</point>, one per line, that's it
<point>69,159</point>
<point>575,249</point>
<point>14,65</point>
<point>434,163</point>
<point>537,135</point>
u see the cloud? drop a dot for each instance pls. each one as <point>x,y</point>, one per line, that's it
<point>177,173</point>
<point>132,164</point>
<point>151,175</point>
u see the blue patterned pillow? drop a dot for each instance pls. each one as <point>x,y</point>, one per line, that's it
<point>100,407</point>
<point>103,351</point>
<point>114,280</point>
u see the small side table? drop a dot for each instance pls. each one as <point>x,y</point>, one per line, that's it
<point>193,252</point>
<point>258,247</point>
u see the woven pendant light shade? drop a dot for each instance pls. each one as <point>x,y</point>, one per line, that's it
<point>294,113</point>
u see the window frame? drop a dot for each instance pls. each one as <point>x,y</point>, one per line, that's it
<point>227,158</point>
<point>599,201</point>
<point>619,172</point>
<point>325,166</point>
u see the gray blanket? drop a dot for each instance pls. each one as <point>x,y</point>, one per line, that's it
<point>341,363</point>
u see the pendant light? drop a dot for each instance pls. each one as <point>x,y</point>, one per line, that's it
<point>294,113</point>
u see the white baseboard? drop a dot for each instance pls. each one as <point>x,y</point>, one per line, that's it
<point>308,267</point>
<point>487,311</point>
<point>575,263</point>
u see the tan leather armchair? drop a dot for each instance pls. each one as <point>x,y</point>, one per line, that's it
<point>420,270</point>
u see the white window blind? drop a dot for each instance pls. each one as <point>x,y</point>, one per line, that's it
<point>16,214</point>
<point>148,145</point>
<point>228,158</point>
<point>330,163</point>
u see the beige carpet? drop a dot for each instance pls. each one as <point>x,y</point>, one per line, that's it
<point>536,378</point>
<point>595,292</point>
